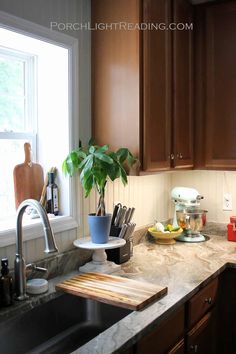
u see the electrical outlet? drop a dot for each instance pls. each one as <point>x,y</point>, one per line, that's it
<point>227,201</point>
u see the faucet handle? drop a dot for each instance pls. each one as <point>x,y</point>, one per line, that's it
<point>34,267</point>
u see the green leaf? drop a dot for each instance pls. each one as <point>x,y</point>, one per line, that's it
<point>122,154</point>
<point>131,159</point>
<point>91,142</point>
<point>92,149</point>
<point>88,185</point>
<point>123,176</point>
<point>104,157</point>
<point>83,162</point>
<point>103,148</point>
<point>73,156</point>
<point>114,171</point>
<point>99,175</point>
<point>64,167</point>
<point>70,165</point>
<point>81,154</point>
<point>86,172</point>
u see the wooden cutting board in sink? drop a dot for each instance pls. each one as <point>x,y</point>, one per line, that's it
<point>114,290</point>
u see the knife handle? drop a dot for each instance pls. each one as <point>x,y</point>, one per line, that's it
<point>131,214</point>
<point>123,230</point>
<point>127,215</point>
<point>116,208</point>
<point>122,216</point>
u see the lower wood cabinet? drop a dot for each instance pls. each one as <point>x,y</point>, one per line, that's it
<point>163,337</point>
<point>190,329</point>
<point>178,348</point>
<point>199,339</point>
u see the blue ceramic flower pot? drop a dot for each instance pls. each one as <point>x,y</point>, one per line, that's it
<point>99,227</point>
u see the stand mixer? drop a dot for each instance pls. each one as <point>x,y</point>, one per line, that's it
<point>187,214</point>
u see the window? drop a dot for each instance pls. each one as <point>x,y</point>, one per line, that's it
<point>18,118</point>
<point>38,71</point>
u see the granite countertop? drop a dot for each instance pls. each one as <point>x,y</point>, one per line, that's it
<point>183,267</point>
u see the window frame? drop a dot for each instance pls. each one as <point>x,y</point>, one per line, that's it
<point>25,27</point>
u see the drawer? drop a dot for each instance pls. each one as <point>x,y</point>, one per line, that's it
<point>199,339</point>
<point>200,303</point>
<point>164,336</point>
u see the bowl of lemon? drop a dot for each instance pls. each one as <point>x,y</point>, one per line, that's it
<point>164,234</point>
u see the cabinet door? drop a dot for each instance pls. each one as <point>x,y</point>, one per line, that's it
<point>156,87</point>
<point>199,339</point>
<point>221,85</point>
<point>164,337</point>
<point>115,59</point>
<point>178,348</point>
<point>182,85</point>
<point>216,85</point>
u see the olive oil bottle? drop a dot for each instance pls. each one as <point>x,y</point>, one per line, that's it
<point>52,195</point>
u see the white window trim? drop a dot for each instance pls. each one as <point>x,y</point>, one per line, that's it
<point>60,223</point>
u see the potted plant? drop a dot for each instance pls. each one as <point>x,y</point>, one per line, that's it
<point>96,164</point>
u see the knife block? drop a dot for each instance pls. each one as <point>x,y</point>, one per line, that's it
<point>118,255</point>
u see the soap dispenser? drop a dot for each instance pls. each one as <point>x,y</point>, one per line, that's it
<point>6,284</point>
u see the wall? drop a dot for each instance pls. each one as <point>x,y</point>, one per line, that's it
<point>212,185</point>
<point>148,194</point>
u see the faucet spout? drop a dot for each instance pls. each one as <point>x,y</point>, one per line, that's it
<point>50,245</point>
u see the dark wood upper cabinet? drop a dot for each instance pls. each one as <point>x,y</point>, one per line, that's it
<point>116,75</point>
<point>142,82</point>
<point>183,85</point>
<point>215,106</point>
<point>157,87</point>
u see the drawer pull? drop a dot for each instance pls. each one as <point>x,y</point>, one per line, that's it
<point>208,300</point>
<point>194,348</point>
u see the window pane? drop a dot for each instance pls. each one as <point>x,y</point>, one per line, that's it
<point>12,114</point>
<point>12,101</point>
<point>11,154</point>
<point>11,77</point>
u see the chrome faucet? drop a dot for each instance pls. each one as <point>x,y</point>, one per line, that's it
<point>50,245</point>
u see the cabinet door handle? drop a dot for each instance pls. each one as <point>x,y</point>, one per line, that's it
<point>180,156</point>
<point>208,300</point>
<point>194,348</point>
<point>171,156</point>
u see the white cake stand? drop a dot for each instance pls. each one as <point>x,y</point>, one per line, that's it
<point>99,261</point>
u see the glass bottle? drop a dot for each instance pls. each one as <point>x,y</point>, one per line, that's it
<point>52,195</point>
<point>6,284</point>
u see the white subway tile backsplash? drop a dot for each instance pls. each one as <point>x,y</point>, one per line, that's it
<point>150,195</point>
<point>212,185</point>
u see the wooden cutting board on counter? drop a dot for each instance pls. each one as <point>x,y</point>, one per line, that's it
<point>28,178</point>
<point>114,290</point>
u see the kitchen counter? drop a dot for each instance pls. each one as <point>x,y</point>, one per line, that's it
<point>183,267</point>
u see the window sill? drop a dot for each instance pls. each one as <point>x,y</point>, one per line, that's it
<point>33,229</point>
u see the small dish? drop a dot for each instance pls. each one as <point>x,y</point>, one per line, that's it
<point>164,238</point>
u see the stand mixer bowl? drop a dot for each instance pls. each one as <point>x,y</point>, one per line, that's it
<point>192,221</point>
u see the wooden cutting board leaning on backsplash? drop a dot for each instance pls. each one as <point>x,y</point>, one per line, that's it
<point>28,178</point>
<point>114,290</point>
